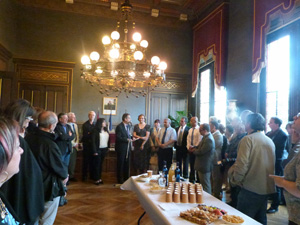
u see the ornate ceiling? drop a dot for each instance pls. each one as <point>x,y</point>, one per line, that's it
<point>168,15</point>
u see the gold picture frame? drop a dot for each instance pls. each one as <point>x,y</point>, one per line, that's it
<point>110,105</point>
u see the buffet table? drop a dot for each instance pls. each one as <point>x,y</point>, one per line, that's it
<point>153,203</point>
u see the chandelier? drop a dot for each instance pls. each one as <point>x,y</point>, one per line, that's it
<point>123,66</point>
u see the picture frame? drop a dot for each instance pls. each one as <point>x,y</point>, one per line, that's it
<point>110,105</point>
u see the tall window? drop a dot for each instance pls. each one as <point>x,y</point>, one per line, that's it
<point>278,79</point>
<point>204,96</point>
<point>212,97</point>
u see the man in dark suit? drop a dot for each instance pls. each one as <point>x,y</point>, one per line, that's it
<point>279,138</point>
<point>123,148</point>
<point>64,138</point>
<point>205,157</point>
<point>86,140</point>
<point>181,150</point>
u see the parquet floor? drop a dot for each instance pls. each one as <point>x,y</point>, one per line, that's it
<point>89,204</point>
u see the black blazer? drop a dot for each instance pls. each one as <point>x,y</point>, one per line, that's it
<point>63,139</point>
<point>184,136</point>
<point>121,138</point>
<point>96,140</point>
<point>279,138</point>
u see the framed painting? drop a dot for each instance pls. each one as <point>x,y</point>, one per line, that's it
<point>110,106</point>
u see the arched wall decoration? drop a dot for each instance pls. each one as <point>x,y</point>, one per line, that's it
<point>263,10</point>
<point>211,33</point>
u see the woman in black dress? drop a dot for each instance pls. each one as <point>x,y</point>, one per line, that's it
<point>100,143</point>
<point>142,151</point>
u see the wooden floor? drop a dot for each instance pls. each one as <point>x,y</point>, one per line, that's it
<point>105,204</point>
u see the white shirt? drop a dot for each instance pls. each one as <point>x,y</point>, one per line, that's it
<point>170,135</point>
<point>197,137</point>
<point>103,139</point>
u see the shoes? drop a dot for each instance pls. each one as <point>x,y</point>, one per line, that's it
<point>272,210</point>
<point>98,182</point>
<point>73,179</point>
<point>62,201</point>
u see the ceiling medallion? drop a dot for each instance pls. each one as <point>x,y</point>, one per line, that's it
<point>123,66</point>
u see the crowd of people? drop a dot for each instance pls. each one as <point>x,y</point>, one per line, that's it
<point>38,151</point>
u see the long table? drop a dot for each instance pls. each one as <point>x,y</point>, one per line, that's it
<point>151,201</point>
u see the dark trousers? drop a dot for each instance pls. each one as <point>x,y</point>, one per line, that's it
<point>98,162</point>
<point>193,177</point>
<point>87,161</point>
<point>253,205</point>
<point>164,154</point>
<point>276,197</point>
<point>123,165</point>
<point>182,158</point>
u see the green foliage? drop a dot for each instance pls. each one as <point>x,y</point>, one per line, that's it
<point>175,122</point>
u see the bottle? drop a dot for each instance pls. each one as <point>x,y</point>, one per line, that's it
<point>172,174</point>
<point>165,172</point>
<point>161,180</point>
<point>177,173</point>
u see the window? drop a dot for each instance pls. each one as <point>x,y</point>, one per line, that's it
<point>212,97</point>
<point>278,79</point>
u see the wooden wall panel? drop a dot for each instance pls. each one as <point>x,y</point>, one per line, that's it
<point>45,84</point>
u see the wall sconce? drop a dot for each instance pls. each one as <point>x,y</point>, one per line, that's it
<point>154,12</point>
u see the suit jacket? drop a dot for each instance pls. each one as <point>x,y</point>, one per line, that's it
<point>121,138</point>
<point>64,140</point>
<point>76,134</point>
<point>96,140</point>
<point>205,154</point>
<point>184,137</point>
<point>218,137</point>
<point>279,138</point>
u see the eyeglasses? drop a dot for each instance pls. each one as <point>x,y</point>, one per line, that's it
<point>297,116</point>
<point>28,118</point>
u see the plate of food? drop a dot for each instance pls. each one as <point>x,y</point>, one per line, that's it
<point>143,178</point>
<point>157,189</point>
<point>232,219</point>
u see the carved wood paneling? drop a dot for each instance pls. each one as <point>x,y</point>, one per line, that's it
<point>5,56</point>
<point>46,84</point>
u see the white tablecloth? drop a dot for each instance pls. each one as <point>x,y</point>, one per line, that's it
<point>150,202</point>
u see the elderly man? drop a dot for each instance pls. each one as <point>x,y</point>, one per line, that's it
<point>49,158</point>
<point>255,162</point>
<point>181,150</point>
<point>216,173</point>
<point>205,157</point>
<point>75,143</point>
<point>166,139</point>
<point>193,139</point>
<point>86,140</point>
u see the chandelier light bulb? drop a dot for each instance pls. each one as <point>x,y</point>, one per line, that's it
<point>137,37</point>
<point>116,45</point>
<point>99,70</point>
<point>114,53</point>
<point>138,55</point>
<point>155,60</point>
<point>144,44</point>
<point>95,56</point>
<point>131,74</point>
<point>114,73</point>
<point>85,60</point>
<point>146,74</point>
<point>106,40</point>
<point>132,47</point>
<point>115,35</point>
<point>163,66</point>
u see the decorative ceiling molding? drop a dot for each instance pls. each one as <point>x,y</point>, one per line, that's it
<point>169,10</point>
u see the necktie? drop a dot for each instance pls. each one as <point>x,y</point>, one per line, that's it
<point>163,139</point>
<point>180,136</point>
<point>192,139</point>
<point>74,131</point>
